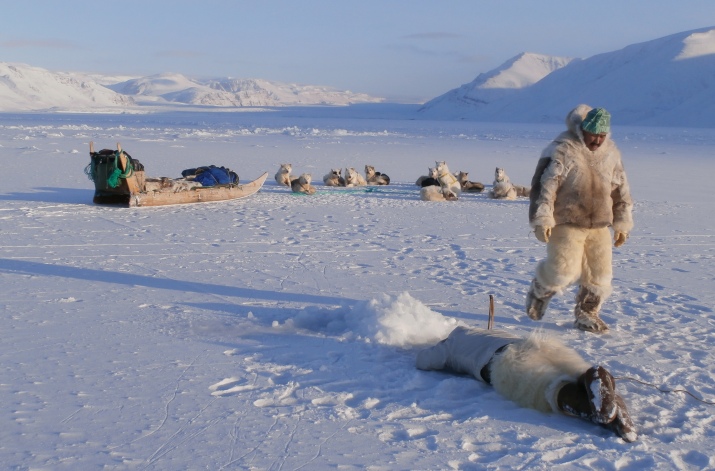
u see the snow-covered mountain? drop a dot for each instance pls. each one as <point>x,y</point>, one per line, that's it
<point>231,92</point>
<point>172,88</point>
<point>256,92</point>
<point>23,88</point>
<point>515,74</point>
<point>668,81</point>
<point>154,85</point>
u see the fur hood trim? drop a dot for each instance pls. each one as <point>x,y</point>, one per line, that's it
<point>576,117</point>
<point>552,391</point>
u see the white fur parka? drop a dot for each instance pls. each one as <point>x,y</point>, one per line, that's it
<point>577,186</point>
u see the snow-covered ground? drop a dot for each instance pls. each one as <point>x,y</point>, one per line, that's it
<point>280,331</point>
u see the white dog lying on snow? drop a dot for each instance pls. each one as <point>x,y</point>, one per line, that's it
<point>302,184</point>
<point>353,178</point>
<point>436,193</point>
<point>375,178</point>
<point>504,189</point>
<point>333,178</point>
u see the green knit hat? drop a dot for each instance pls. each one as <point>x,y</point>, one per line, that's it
<point>597,121</point>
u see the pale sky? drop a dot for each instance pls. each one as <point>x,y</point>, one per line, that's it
<point>403,50</point>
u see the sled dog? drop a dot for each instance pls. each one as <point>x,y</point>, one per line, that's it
<point>333,178</point>
<point>283,174</point>
<point>375,178</point>
<point>429,179</point>
<point>436,193</point>
<point>447,180</point>
<point>473,187</point>
<point>504,189</point>
<point>353,178</point>
<point>302,184</point>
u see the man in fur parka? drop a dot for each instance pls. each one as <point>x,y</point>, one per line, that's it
<point>538,372</point>
<point>578,191</point>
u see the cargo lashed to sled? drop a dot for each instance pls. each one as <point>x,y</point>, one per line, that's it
<point>120,180</point>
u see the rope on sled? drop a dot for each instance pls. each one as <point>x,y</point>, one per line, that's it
<point>90,171</point>
<point>628,378</point>
<point>113,179</point>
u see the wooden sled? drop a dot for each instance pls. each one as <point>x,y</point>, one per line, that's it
<point>131,186</point>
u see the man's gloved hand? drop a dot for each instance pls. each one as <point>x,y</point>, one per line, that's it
<point>542,233</point>
<point>619,238</point>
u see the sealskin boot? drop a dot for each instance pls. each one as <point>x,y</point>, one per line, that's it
<point>573,400</point>
<point>591,397</point>
<point>537,300</point>
<point>601,391</point>
<point>588,305</point>
<point>622,424</point>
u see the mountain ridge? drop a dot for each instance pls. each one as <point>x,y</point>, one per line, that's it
<point>667,81</point>
<point>27,88</point>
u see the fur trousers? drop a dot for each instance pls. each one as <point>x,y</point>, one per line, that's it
<point>531,372</point>
<point>577,254</point>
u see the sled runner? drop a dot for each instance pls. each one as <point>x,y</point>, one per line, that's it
<point>119,179</point>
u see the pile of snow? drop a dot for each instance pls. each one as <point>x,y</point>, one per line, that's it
<point>664,82</point>
<point>399,321</point>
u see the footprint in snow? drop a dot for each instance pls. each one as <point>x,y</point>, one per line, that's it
<point>229,386</point>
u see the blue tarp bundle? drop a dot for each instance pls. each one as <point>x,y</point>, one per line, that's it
<point>212,175</point>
